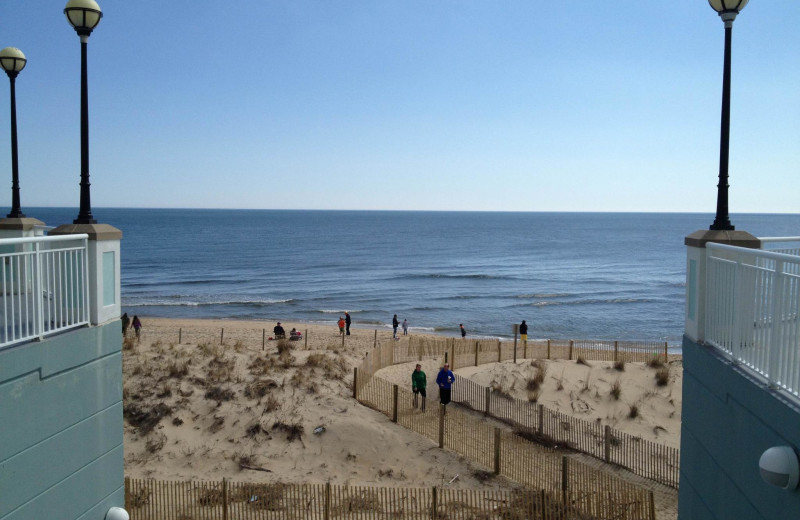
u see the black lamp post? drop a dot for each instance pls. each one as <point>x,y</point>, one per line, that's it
<point>13,61</point>
<point>84,15</point>
<point>727,9</point>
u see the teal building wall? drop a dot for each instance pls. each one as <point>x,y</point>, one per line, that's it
<point>61,453</point>
<point>728,420</point>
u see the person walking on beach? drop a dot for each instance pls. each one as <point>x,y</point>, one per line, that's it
<point>463,330</point>
<point>137,327</point>
<point>445,380</point>
<point>405,327</point>
<point>419,384</point>
<point>395,324</point>
<point>126,321</point>
<point>341,325</point>
<point>523,332</point>
<point>347,321</point>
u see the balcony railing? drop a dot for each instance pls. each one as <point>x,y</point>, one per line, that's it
<point>44,284</point>
<point>753,309</point>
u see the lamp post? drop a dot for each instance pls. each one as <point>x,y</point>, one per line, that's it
<point>727,9</point>
<point>84,15</point>
<point>13,61</point>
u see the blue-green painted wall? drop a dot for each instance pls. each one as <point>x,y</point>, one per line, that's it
<point>61,426</point>
<point>728,420</point>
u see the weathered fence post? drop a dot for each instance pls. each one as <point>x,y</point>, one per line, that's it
<point>375,339</point>
<point>445,356</point>
<point>570,349</point>
<point>441,426</point>
<point>355,383</point>
<point>497,451</point>
<point>616,351</point>
<point>128,501</point>
<point>541,418</point>
<point>305,340</point>
<point>652,506</point>
<point>548,349</point>
<point>224,499</point>
<point>434,504</point>
<point>477,347</point>
<point>515,349</point>
<point>180,334</point>
<point>342,339</point>
<point>488,398</point>
<point>263,338</point>
<point>499,351</point>
<point>453,356</point>
<point>564,478</point>
<point>666,354</point>
<point>607,443</point>
<point>394,403</point>
<point>327,512</point>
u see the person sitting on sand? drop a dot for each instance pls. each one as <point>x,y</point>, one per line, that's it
<point>419,383</point>
<point>279,332</point>
<point>445,380</point>
<point>294,335</point>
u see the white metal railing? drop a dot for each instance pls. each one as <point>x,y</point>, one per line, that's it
<point>753,309</point>
<point>44,286</point>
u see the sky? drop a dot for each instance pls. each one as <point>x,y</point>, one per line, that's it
<point>497,105</point>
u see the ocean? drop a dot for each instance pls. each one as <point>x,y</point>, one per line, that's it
<point>570,275</point>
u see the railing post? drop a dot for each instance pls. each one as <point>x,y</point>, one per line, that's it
<point>222,336</point>
<point>434,504</point>
<point>394,403</point>
<point>487,401</point>
<point>497,451</point>
<point>616,351</point>
<point>355,383</point>
<point>515,349</point>
<point>263,339</point>
<point>775,337</point>
<point>548,349</point>
<point>375,339</point>
<point>305,339</point>
<point>666,352</point>
<point>453,356</point>
<point>499,351</point>
<point>570,349</point>
<point>564,478</point>
<point>180,335</point>
<point>607,443</point>
<point>37,287</point>
<point>327,512</point>
<point>652,508</point>
<point>477,347</point>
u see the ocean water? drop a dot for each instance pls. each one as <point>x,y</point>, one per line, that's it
<point>570,275</point>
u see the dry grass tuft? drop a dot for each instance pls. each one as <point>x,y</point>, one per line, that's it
<point>177,369</point>
<point>293,431</point>
<point>128,343</point>
<point>259,388</point>
<point>619,365</point>
<point>145,417</point>
<point>633,411</point>
<point>616,390</point>
<point>155,444</point>
<point>662,376</point>
<point>656,362</point>
<point>500,390</point>
<point>219,394</point>
<point>582,361</point>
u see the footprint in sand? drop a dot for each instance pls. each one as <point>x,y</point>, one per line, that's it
<point>580,406</point>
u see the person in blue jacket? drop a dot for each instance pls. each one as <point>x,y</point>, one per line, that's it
<point>445,380</point>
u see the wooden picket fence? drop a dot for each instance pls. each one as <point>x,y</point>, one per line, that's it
<point>228,500</point>
<point>504,453</point>
<point>649,459</point>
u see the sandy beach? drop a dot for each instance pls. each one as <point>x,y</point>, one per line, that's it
<point>199,410</point>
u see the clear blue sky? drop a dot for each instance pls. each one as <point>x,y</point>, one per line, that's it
<point>407,104</point>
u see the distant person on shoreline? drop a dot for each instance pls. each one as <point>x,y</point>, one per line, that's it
<point>347,321</point>
<point>463,330</point>
<point>137,327</point>
<point>445,380</point>
<point>405,327</point>
<point>279,332</point>
<point>419,384</point>
<point>395,324</point>
<point>126,321</point>
<point>341,324</point>
<point>523,332</point>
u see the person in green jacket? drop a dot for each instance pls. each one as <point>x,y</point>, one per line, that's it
<point>419,382</point>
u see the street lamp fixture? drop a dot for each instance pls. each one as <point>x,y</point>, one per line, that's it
<point>84,15</point>
<point>13,61</point>
<point>727,9</point>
